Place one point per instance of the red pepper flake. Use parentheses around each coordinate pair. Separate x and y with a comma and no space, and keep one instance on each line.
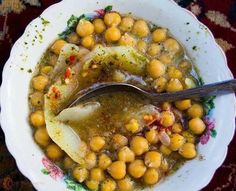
(54,89)
(57,93)
(67,73)
(72,59)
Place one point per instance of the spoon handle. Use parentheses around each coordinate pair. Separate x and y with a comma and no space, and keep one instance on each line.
(213,89)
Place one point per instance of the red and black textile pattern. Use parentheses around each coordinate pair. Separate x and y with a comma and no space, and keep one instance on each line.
(218,15)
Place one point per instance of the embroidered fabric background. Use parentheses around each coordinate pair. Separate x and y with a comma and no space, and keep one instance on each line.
(218,15)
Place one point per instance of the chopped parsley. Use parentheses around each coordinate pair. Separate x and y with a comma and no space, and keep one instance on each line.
(73,21)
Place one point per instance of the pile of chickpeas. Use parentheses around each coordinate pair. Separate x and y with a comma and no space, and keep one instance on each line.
(144,158)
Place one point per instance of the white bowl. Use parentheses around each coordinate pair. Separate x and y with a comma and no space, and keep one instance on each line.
(26,52)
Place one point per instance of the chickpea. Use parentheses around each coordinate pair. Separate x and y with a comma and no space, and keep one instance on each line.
(39,82)
(189,137)
(172,45)
(152,136)
(177,128)
(176,141)
(197,126)
(156,69)
(139,145)
(57,46)
(37,118)
(112,19)
(159,35)
(174,85)
(125,184)
(137,168)
(97,174)
(196,110)
(119,141)
(46,70)
(126,24)
(97,143)
(151,176)
(73,38)
(112,34)
(166,106)
(126,155)
(167,118)
(99,26)
(141,28)
(68,163)
(90,160)
(118,76)
(92,184)
(165,58)
(164,165)
(165,150)
(154,49)
(36,99)
(183,104)
(84,28)
(104,161)
(41,137)
(142,46)
(174,73)
(132,126)
(127,40)
(160,84)
(117,170)
(88,42)
(188,151)
(152,159)
(80,174)
(108,185)
(54,152)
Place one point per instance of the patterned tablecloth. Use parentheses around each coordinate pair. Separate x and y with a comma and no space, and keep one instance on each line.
(218,15)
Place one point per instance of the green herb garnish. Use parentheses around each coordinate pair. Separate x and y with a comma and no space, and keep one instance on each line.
(194,47)
(44,21)
(73,21)
(71,24)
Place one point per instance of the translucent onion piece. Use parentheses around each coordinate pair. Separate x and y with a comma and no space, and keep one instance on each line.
(63,135)
(66,51)
(78,112)
(126,58)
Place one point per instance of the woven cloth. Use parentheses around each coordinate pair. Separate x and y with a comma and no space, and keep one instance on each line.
(218,15)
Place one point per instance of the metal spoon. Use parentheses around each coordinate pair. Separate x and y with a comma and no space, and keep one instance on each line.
(219,88)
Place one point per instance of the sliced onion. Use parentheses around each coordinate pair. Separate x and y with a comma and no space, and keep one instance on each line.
(63,135)
(78,112)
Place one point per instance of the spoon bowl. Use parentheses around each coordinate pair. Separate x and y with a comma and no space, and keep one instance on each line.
(214,89)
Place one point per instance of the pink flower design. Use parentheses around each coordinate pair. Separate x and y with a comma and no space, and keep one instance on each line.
(210,125)
(205,137)
(100,12)
(54,171)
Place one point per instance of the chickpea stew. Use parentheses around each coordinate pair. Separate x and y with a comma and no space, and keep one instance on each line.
(116,141)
